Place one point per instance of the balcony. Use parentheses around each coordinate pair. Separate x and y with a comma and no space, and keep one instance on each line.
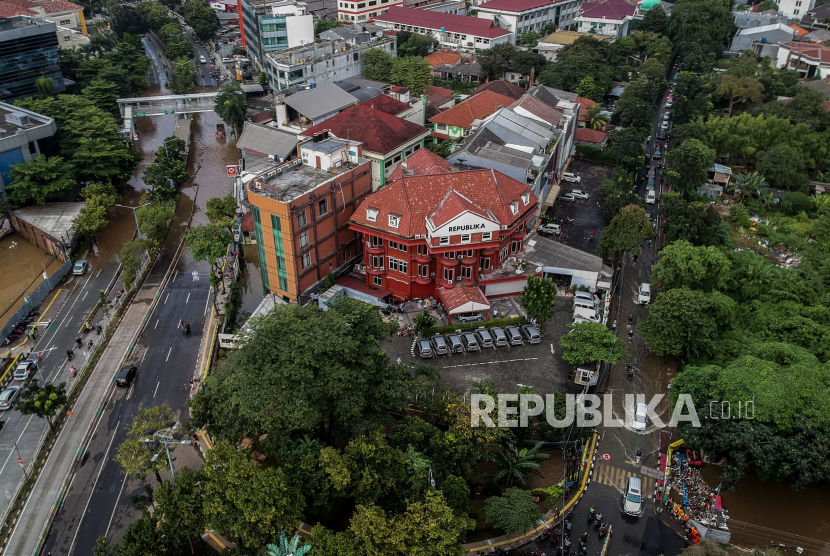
(449,263)
(374,249)
(469,260)
(489,251)
(375,270)
(421,258)
(423,279)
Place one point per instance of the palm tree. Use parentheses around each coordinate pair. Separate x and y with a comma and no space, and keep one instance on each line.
(822,202)
(287,547)
(519,465)
(597,119)
(750,184)
(45,86)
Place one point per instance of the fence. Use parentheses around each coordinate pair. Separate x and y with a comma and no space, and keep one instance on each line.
(33,299)
(747,534)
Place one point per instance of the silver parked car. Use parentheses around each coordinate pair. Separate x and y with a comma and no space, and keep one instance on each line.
(424,349)
(8,397)
(579,194)
(499,337)
(440,345)
(514,337)
(484,338)
(531,334)
(470,341)
(454,343)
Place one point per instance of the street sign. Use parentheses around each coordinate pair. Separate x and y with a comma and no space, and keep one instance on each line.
(228,340)
(169,111)
(606,457)
(232,171)
(141,113)
(20,461)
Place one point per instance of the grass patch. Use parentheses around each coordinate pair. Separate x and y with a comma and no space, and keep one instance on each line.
(516,321)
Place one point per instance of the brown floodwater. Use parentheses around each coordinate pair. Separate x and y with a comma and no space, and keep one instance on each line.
(22,272)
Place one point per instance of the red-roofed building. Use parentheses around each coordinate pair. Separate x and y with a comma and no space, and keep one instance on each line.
(422,234)
(350,11)
(808,59)
(502,87)
(387,104)
(522,16)
(444,58)
(609,18)
(423,163)
(386,138)
(591,137)
(455,122)
(68,16)
(584,105)
(440,98)
(449,30)
(534,108)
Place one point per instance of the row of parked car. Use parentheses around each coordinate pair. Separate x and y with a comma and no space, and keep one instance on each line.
(478,339)
(586,308)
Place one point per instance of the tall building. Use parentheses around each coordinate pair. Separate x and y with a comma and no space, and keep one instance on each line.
(301,215)
(24,135)
(522,16)
(68,16)
(352,11)
(269,25)
(28,51)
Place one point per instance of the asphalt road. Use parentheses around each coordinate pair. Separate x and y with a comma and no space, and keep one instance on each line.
(98,501)
(71,303)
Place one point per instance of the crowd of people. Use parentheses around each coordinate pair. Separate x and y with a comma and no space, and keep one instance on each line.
(696,499)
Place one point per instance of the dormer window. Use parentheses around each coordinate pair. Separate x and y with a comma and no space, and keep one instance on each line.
(526,198)
(394,220)
(372,214)
(514,207)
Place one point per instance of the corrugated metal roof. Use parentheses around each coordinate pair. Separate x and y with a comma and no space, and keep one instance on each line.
(266,140)
(318,102)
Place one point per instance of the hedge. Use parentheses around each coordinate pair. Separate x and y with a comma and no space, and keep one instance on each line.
(486,324)
(607,156)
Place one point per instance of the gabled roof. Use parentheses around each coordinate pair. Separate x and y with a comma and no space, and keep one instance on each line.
(591,136)
(535,133)
(615,10)
(815,51)
(515,6)
(551,96)
(799,31)
(443,58)
(454,204)
(379,132)
(266,141)
(474,108)
(502,87)
(387,104)
(532,107)
(416,198)
(450,22)
(10,9)
(463,299)
(423,163)
(318,102)
(57,6)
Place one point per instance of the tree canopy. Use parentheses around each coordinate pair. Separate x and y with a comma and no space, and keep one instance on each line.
(589,342)
(626,232)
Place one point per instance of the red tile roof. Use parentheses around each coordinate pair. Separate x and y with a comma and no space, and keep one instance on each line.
(591,135)
(608,9)
(248,222)
(423,163)
(502,87)
(459,296)
(399,89)
(450,22)
(811,50)
(539,109)
(360,286)
(433,90)
(379,132)
(387,104)
(442,58)
(799,31)
(474,108)
(416,198)
(515,6)
(10,9)
(59,6)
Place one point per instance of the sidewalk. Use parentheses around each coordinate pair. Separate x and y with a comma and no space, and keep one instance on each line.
(54,480)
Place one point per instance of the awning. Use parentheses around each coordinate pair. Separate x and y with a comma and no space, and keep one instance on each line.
(463,299)
(552,195)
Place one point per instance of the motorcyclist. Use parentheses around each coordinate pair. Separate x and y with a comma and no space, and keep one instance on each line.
(73,371)
(584,538)
(69,354)
(639,453)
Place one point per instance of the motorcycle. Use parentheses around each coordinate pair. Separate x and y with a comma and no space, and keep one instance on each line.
(591,514)
(98,329)
(545,535)
(630,320)
(69,355)
(638,456)
(631,371)
(603,530)
(73,371)
(599,520)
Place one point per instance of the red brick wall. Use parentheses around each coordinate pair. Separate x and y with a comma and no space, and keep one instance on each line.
(36,236)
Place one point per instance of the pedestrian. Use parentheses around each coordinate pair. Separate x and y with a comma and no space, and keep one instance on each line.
(649,243)
(34,332)
(27,333)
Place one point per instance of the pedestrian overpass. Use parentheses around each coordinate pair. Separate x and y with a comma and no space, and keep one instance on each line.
(132,108)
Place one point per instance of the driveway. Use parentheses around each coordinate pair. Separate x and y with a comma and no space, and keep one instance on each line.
(587,214)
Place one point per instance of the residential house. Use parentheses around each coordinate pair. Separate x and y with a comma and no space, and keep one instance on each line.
(363,10)
(762,40)
(318,63)
(808,59)
(591,138)
(386,139)
(465,225)
(610,18)
(448,30)
(455,123)
(748,19)
(24,135)
(263,146)
(440,97)
(522,16)
(301,212)
(306,109)
(28,51)
(423,162)
(502,87)
(795,9)
(816,18)
(550,45)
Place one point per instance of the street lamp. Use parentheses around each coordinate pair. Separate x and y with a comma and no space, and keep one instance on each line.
(165,437)
(37,362)
(134,209)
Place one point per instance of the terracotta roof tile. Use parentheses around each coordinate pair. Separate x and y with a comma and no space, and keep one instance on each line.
(502,87)
(615,10)
(423,163)
(515,6)
(811,50)
(59,6)
(460,296)
(416,198)
(433,90)
(441,58)
(9,9)
(387,104)
(452,23)
(474,108)
(591,135)
(378,131)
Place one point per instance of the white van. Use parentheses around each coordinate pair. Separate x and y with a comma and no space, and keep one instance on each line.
(585,295)
(651,198)
(588,314)
(633,501)
(585,304)
(572,178)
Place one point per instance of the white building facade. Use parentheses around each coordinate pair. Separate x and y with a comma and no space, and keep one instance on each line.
(522,16)
(449,30)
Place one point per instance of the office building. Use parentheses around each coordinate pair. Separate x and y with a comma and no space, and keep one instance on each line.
(28,51)
(24,135)
(268,26)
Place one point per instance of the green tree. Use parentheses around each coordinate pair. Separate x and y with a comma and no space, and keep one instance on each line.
(682,265)
(696,223)
(222,210)
(626,232)
(523,61)
(131,258)
(99,199)
(208,242)
(136,457)
(538,298)
(457,494)
(795,202)
(740,90)
(414,45)
(750,185)
(45,86)
(413,72)
(202,18)
(251,501)
(442,148)
(179,509)
(636,107)
(231,105)
(653,69)
(588,88)
(424,320)
(589,342)
(41,179)
(43,401)
(700,28)
(496,60)
(528,38)
(767,5)
(689,162)
(286,546)
(513,512)
(783,166)
(324,25)
(585,57)
(103,95)
(628,144)
(655,21)
(597,118)
(377,64)
(691,99)
(154,219)
(686,322)
(518,465)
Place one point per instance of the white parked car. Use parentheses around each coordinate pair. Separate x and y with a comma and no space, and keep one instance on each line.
(664,125)
(644,295)
(549,229)
(666,115)
(669,103)
(651,198)
(569,197)
(572,178)
(579,194)
(640,417)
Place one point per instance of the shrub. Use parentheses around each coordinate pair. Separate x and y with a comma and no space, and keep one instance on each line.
(607,156)
(739,214)
(517,321)
(795,202)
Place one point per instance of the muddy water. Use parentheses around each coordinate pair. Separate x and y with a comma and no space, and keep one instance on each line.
(21,265)
(764,503)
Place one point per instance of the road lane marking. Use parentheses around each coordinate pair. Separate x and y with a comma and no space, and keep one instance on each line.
(157,389)
(84,297)
(16,441)
(92,491)
(157,323)
(175,275)
(188,298)
(130,391)
(116,505)
(145,354)
(168,353)
(166,298)
(207,301)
